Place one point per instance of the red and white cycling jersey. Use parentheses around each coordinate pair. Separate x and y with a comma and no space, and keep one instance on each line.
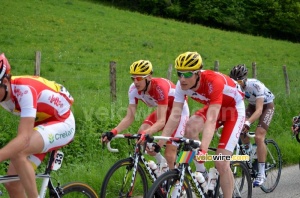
(33,96)
(161,92)
(213,90)
(217,88)
(49,103)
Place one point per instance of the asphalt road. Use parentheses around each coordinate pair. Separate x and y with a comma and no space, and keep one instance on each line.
(288,187)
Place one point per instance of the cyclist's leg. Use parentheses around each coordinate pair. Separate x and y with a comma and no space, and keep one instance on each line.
(14,189)
(260,134)
(21,165)
(193,127)
(171,147)
(233,120)
(226,176)
(44,138)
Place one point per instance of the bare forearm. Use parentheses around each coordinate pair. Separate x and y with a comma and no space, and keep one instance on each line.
(208,133)
(157,126)
(171,125)
(255,116)
(124,124)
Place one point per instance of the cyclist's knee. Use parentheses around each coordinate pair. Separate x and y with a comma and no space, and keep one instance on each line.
(193,126)
(260,134)
(223,167)
(191,131)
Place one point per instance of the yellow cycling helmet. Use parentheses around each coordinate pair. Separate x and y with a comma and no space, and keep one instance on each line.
(141,67)
(188,61)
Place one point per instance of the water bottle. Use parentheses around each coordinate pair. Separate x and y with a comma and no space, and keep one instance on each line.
(163,167)
(253,153)
(153,167)
(212,178)
(199,177)
(175,192)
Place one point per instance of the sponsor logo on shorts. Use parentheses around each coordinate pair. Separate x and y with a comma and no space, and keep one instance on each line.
(51,138)
(64,134)
(58,136)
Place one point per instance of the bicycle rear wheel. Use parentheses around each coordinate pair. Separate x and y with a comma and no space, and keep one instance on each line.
(119,178)
(273,166)
(77,190)
(242,181)
(166,185)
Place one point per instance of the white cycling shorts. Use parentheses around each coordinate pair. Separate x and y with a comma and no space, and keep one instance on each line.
(55,134)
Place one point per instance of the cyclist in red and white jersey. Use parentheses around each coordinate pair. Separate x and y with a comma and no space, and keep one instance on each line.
(46,123)
(261,108)
(223,102)
(154,92)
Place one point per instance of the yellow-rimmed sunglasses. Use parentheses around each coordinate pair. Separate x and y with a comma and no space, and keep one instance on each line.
(138,78)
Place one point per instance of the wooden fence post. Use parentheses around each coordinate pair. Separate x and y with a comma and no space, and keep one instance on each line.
(37,69)
(169,74)
(286,78)
(113,79)
(216,66)
(254,70)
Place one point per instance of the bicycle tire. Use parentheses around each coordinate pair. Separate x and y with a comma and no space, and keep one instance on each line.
(242,181)
(164,186)
(78,190)
(273,170)
(118,179)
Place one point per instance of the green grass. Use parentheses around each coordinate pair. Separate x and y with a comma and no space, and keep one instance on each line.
(78,39)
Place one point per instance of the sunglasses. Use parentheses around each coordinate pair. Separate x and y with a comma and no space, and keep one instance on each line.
(138,78)
(188,74)
(240,81)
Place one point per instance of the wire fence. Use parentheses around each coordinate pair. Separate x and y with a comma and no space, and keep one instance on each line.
(90,83)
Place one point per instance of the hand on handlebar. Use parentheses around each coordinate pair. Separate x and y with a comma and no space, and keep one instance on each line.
(144,137)
(153,148)
(107,136)
(246,127)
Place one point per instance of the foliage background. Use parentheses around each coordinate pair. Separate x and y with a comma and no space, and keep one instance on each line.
(78,39)
(278,19)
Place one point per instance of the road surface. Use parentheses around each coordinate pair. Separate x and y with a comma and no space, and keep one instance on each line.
(288,187)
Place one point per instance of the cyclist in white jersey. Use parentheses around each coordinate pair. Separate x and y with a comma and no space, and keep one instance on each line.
(261,108)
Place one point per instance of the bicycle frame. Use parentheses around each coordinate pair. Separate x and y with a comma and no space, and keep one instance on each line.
(138,158)
(54,163)
(186,171)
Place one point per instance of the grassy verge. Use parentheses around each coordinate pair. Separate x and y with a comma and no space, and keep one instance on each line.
(78,39)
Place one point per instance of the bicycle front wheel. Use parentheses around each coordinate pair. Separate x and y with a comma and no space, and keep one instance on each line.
(167,184)
(242,181)
(273,166)
(78,190)
(123,180)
